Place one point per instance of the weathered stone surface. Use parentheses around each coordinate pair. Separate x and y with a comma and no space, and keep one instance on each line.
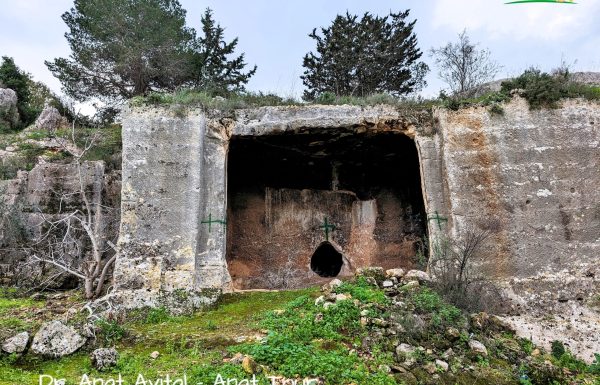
(49,119)
(9,115)
(167,184)
(16,344)
(529,175)
(478,348)
(54,339)
(533,176)
(396,273)
(49,190)
(333,284)
(250,366)
(417,275)
(104,358)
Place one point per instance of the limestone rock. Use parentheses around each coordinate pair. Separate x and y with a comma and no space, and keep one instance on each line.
(320,301)
(250,366)
(430,368)
(417,275)
(8,107)
(104,358)
(342,297)
(387,283)
(16,344)
(49,119)
(404,349)
(371,272)
(442,365)
(154,355)
(452,333)
(396,273)
(54,339)
(480,320)
(333,284)
(237,359)
(478,347)
(410,285)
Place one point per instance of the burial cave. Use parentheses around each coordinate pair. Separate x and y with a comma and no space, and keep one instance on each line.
(307,206)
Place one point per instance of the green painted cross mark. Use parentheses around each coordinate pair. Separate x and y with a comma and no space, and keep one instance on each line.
(327,227)
(210,221)
(438,219)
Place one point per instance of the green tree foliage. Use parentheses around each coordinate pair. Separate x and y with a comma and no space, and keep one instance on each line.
(360,57)
(19,81)
(213,71)
(122,49)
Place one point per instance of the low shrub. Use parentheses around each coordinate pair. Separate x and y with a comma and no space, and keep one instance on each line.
(542,89)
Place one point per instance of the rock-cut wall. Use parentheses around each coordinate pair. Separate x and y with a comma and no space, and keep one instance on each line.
(531,175)
(536,176)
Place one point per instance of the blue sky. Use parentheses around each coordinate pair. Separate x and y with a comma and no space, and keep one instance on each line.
(273,34)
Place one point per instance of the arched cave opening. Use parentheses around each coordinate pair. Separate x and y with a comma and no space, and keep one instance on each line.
(281,188)
(326,261)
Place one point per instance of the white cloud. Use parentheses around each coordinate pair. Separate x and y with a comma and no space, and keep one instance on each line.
(545,22)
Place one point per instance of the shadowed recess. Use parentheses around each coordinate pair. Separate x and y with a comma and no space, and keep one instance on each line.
(326,260)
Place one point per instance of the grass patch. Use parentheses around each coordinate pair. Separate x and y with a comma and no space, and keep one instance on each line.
(363,291)
(208,101)
(302,340)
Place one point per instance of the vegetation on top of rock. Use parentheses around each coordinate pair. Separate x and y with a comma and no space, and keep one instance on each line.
(32,96)
(24,149)
(190,97)
(545,90)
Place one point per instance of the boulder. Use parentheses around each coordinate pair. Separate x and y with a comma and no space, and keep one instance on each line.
(104,358)
(16,344)
(417,275)
(396,273)
(49,119)
(54,339)
(9,115)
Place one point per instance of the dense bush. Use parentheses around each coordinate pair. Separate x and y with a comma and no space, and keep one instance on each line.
(545,90)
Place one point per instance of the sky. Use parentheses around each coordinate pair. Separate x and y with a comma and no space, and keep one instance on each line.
(273,34)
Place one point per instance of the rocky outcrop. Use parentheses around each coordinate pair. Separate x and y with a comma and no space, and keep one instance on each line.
(49,119)
(9,116)
(49,190)
(54,339)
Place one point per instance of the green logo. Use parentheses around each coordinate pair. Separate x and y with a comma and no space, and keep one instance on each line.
(542,1)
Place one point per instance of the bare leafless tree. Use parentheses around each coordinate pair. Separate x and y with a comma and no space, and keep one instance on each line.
(82,231)
(452,264)
(463,66)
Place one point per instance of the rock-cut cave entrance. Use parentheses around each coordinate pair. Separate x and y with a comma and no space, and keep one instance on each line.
(326,261)
(319,203)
